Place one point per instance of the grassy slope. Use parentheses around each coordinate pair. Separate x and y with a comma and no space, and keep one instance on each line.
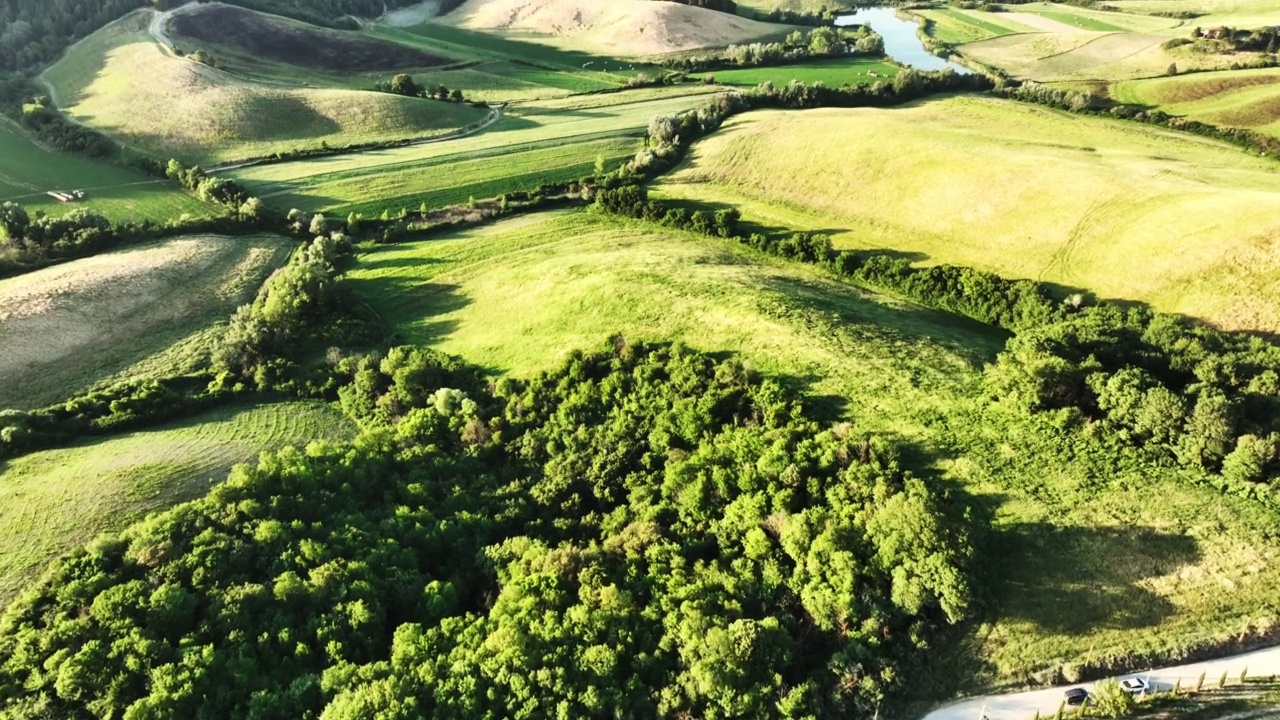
(28,171)
(955,25)
(122,83)
(1085,569)
(549,140)
(1238,98)
(1115,208)
(56,500)
(1233,13)
(843,71)
(628,28)
(69,327)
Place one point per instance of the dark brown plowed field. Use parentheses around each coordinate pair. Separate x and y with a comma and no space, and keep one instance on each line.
(269,38)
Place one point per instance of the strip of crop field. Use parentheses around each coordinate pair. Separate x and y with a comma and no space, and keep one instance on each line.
(54,501)
(955,26)
(1085,570)
(28,172)
(549,141)
(69,327)
(1160,217)
(834,73)
(1240,98)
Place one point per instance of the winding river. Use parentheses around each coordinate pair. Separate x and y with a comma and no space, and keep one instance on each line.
(900,39)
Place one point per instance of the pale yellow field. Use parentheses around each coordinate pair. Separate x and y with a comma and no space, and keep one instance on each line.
(121,82)
(614,28)
(1123,210)
(1233,13)
(1237,98)
(66,328)
(1079,55)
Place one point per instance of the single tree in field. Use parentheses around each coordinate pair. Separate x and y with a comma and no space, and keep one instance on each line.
(403,84)
(318,225)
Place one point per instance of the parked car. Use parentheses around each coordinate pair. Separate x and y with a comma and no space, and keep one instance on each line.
(1135,685)
(1076,696)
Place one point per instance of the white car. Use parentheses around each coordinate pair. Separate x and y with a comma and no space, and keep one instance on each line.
(1135,686)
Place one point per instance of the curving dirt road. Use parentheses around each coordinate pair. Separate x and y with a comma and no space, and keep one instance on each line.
(1024,705)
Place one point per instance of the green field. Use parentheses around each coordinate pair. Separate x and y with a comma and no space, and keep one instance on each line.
(1211,13)
(54,501)
(955,26)
(1237,98)
(842,71)
(28,172)
(1084,569)
(1173,220)
(72,326)
(546,141)
(121,82)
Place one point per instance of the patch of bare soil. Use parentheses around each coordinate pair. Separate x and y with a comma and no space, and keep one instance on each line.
(275,39)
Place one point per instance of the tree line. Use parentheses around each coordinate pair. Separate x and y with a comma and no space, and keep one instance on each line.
(799,46)
(1183,393)
(644,531)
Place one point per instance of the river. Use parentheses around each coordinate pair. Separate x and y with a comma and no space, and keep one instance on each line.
(900,39)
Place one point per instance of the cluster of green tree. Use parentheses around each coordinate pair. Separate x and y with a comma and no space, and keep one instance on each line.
(645,532)
(299,306)
(1089,104)
(27,241)
(35,32)
(223,191)
(122,407)
(1228,40)
(57,132)
(404,84)
(1206,399)
(633,201)
(783,16)
(821,42)
(669,136)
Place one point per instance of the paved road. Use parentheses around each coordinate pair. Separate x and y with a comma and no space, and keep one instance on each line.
(1023,706)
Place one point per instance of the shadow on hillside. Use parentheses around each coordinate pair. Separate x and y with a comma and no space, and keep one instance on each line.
(1072,579)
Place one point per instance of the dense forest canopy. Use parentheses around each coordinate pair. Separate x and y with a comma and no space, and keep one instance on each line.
(645,532)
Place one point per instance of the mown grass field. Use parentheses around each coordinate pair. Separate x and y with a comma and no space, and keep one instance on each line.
(1237,98)
(1173,220)
(1086,568)
(955,25)
(54,501)
(546,141)
(842,71)
(1212,13)
(69,327)
(28,171)
(121,82)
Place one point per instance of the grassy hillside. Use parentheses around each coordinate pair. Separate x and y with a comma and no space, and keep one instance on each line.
(547,141)
(121,82)
(629,28)
(1240,98)
(53,501)
(1053,42)
(28,171)
(1085,570)
(68,327)
(1172,220)
(1211,13)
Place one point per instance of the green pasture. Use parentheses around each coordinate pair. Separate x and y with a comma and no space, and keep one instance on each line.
(1235,98)
(547,141)
(1169,219)
(29,171)
(1211,13)
(955,26)
(482,46)
(54,501)
(841,71)
(1084,568)
(148,309)
(119,81)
